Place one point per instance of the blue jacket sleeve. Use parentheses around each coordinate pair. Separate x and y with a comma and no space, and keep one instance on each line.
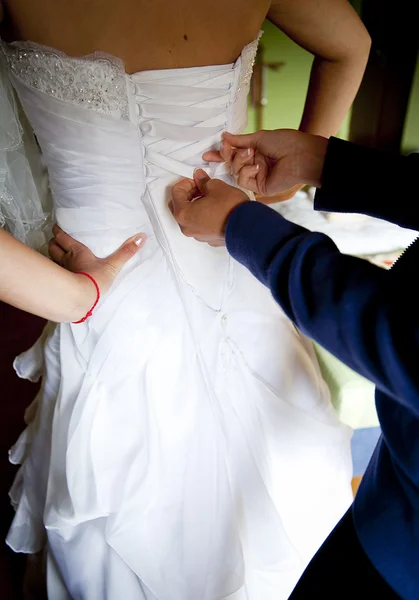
(363,180)
(354,309)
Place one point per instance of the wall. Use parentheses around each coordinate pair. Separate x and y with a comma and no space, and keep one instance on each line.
(410,140)
(285,89)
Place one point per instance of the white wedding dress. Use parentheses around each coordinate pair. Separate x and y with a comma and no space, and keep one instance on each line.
(183,445)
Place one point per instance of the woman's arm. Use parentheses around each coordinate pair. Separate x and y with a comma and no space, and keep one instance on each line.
(33,283)
(333,32)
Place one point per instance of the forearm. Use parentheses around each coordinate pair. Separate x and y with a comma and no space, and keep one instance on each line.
(334,34)
(332,88)
(33,283)
(349,306)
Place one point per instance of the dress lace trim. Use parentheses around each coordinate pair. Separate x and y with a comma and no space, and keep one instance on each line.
(97,81)
(248,57)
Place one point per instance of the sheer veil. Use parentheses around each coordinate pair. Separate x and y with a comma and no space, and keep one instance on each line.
(25,204)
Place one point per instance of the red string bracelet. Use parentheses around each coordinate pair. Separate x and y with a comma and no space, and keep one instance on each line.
(90,312)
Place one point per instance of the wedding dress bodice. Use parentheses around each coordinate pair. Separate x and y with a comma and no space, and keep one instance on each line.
(114,142)
(105,134)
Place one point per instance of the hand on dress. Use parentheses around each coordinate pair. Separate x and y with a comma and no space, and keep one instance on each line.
(76,257)
(202,206)
(273,163)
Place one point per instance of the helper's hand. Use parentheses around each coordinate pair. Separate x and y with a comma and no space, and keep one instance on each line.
(202,207)
(273,162)
(76,257)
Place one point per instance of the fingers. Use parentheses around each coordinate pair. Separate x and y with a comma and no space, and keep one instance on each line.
(129,249)
(262,174)
(237,158)
(56,252)
(247,178)
(212,156)
(226,151)
(63,240)
(212,188)
(251,169)
(282,196)
(242,158)
(225,154)
(183,192)
(249,140)
(61,245)
(201,180)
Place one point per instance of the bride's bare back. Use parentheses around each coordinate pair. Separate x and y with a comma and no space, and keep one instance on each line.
(164,34)
(146,34)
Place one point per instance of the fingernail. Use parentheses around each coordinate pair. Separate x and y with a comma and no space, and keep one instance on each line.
(245,153)
(200,174)
(139,240)
(221,146)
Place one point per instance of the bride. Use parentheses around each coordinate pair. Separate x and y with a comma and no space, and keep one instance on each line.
(182,445)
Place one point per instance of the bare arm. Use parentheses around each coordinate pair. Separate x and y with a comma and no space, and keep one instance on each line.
(33,283)
(333,32)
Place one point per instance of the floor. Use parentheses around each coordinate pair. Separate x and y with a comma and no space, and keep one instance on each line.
(356,482)
(362,444)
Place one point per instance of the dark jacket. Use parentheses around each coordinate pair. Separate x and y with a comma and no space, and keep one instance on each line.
(369,319)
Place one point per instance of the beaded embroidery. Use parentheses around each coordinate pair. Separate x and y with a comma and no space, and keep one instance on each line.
(97,81)
(248,58)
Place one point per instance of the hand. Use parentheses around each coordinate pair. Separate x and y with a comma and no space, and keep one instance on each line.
(76,257)
(202,207)
(270,162)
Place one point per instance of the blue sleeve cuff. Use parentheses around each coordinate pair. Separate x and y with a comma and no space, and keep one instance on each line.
(254,235)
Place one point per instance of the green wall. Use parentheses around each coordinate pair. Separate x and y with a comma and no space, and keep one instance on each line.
(410,139)
(285,89)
